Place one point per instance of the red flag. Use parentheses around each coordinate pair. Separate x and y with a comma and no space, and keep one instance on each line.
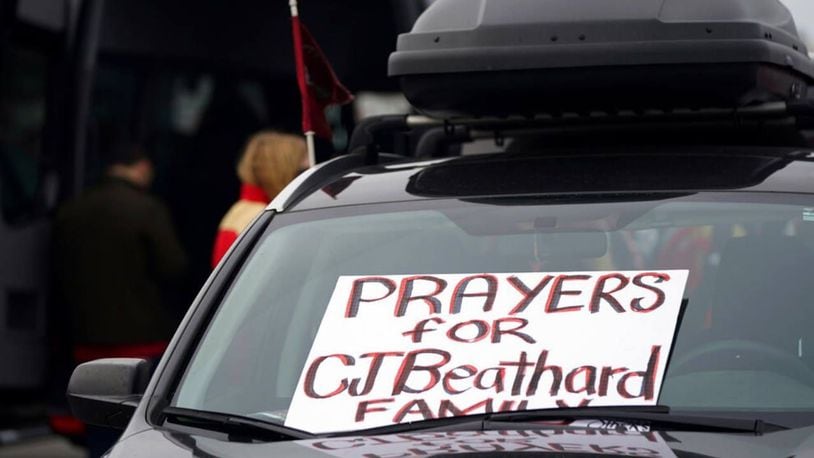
(319,86)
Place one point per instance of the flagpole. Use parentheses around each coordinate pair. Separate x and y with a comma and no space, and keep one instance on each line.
(309,136)
(312,150)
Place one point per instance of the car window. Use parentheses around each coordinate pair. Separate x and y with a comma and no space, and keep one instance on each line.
(746,323)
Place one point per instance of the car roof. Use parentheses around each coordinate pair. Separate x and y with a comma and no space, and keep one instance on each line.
(345,181)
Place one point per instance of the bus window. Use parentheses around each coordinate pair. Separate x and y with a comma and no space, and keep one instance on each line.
(23,84)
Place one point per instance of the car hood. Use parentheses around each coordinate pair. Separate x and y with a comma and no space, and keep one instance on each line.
(548,440)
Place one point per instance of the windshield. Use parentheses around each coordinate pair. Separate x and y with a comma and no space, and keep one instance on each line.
(733,268)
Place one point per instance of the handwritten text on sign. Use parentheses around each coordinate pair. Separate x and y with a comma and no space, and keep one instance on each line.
(402,348)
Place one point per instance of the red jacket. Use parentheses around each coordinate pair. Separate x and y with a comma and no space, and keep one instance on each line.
(253,201)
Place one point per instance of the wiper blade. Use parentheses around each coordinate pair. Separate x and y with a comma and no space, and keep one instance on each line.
(477,422)
(654,416)
(234,425)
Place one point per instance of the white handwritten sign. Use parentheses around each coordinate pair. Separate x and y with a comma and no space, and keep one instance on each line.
(556,441)
(402,348)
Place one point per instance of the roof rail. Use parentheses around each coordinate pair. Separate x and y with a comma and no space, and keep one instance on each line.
(371,133)
(316,177)
(368,135)
(791,117)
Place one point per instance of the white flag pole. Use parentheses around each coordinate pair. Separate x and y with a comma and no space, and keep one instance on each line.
(309,136)
(312,152)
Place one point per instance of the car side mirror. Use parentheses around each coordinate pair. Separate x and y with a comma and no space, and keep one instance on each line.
(106,392)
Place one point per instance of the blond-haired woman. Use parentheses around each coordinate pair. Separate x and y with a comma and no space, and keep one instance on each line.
(270,161)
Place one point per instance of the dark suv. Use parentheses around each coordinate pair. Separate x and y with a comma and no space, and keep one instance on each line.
(623,272)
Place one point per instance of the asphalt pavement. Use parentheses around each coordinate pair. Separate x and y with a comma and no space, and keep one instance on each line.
(49,446)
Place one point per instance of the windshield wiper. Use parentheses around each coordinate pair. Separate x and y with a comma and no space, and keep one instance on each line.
(654,416)
(235,426)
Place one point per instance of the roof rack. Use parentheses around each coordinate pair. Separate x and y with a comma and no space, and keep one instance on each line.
(366,145)
(784,119)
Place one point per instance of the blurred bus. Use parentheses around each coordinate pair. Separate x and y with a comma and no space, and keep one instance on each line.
(191,80)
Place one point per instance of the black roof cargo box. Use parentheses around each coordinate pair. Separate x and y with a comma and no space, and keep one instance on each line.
(527,57)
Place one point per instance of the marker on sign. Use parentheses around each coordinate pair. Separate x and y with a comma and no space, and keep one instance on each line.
(456,344)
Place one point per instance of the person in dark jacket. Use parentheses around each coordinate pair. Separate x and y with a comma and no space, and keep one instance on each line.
(115,250)
(115,253)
